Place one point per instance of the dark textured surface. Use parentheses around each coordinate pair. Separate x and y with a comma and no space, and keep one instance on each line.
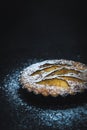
(20,110)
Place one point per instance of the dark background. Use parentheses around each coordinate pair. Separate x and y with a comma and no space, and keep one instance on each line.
(46,29)
(41,30)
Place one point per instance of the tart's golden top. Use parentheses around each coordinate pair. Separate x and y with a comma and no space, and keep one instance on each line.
(54,82)
(56,77)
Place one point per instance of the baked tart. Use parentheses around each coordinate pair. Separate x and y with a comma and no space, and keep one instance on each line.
(55,77)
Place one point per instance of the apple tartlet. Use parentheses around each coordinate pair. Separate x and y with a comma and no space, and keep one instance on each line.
(55,77)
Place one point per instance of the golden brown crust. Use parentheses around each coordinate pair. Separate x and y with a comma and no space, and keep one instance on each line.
(54,77)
